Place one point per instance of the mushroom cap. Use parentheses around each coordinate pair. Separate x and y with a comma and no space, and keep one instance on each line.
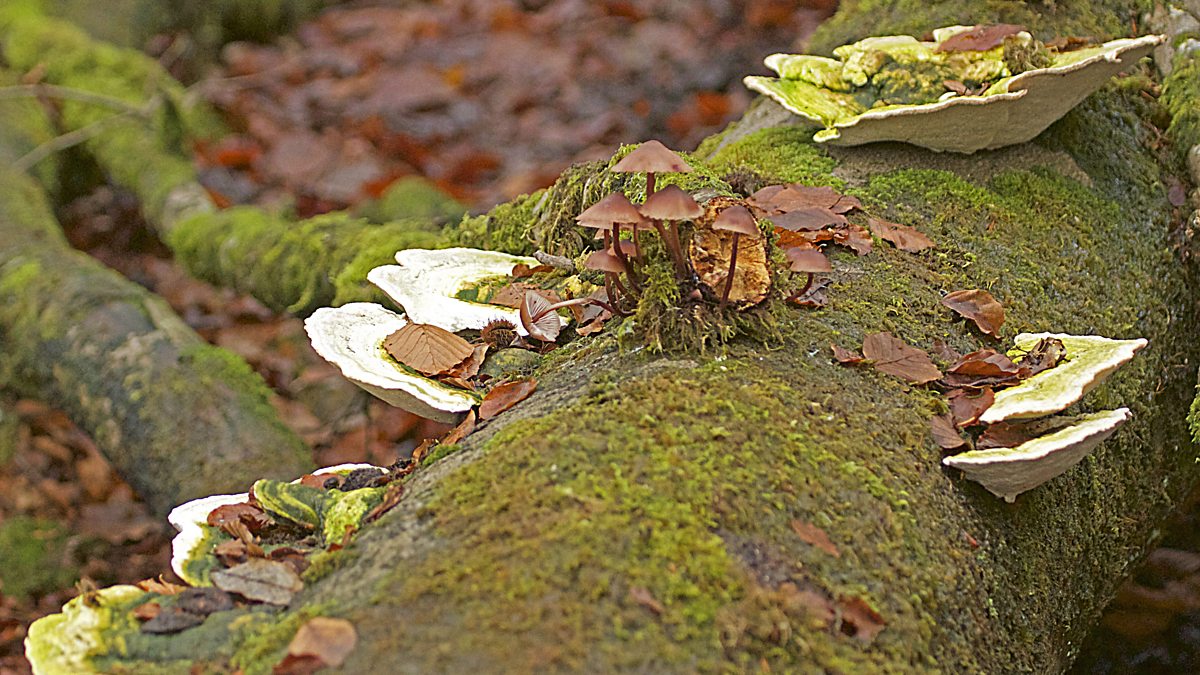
(652,157)
(737,219)
(807,260)
(671,203)
(604,261)
(615,208)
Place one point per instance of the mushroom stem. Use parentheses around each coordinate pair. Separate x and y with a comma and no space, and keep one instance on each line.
(616,249)
(637,245)
(649,183)
(807,285)
(677,249)
(732,267)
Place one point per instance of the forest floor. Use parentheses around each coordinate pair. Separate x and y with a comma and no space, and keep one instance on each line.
(487,100)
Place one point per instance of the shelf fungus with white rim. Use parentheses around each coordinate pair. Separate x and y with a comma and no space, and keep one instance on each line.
(66,643)
(191,549)
(351,337)
(430,284)
(893,89)
(1087,360)
(1007,472)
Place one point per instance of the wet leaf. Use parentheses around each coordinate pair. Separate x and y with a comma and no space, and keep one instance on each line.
(983,368)
(980,38)
(458,433)
(538,319)
(427,349)
(978,306)
(815,536)
(944,433)
(904,237)
(859,619)
(641,595)
(504,396)
(171,620)
(892,356)
(846,356)
(260,580)
(328,640)
(966,407)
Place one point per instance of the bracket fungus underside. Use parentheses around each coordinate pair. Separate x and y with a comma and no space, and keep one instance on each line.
(893,89)
(1007,472)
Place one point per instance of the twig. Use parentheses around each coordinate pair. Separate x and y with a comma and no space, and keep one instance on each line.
(67,93)
(66,141)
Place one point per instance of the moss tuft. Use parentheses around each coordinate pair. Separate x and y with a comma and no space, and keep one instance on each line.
(34,557)
(777,155)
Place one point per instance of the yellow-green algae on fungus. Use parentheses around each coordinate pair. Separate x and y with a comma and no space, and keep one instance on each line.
(891,89)
(1007,472)
(67,642)
(351,338)
(1088,359)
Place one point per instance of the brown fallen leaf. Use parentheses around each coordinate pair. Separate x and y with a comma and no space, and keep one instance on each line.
(846,356)
(171,620)
(807,219)
(521,270)
(904,237)
(944,351)
(814,298)
(1007,435)
(980,307)
(815,536)
(391,497)
(427,349)
(328,640)
(460,375)
(807,602)
(226,516)
(980,38)
(966,407)
(944,433)
(458,433)
(204,600)
(260,580)
(892,356)
(232,552)
(854,237)
(641,595)
(983,368)
(504,396)
(160,586)
(1044,355)
(146,611)
(859,619)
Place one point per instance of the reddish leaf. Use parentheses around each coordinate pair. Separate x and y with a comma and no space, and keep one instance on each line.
(904,237)
(807,219)
(521,270)
(789,239)
(978,306)
(815,536)
(160,586)
(458,433)
(329,640)
(252,517)
(146,611)
(854,237)
(504,396)
(980,38)
(983,368)
(966,407)
(427,349)
(944,351)
(859,619)
(846,356)
(641,595)
(232,552)
(944,433)
(1006,435)
(391,497)
(894,357)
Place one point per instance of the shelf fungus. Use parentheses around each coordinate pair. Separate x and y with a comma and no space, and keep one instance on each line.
(328,513)
(1087,360)
(952,94)
(71,640)
(352,338)
(449,288)
(1064,441)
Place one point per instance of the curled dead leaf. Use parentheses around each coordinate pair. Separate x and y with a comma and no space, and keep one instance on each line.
(892,356)
(944,433)
(815,536)
(904,237)
(980,307)
(504,396)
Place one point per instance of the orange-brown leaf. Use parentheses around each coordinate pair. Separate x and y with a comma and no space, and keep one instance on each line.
(461,431)
(980,38)
(504,396)
(904,237)
(944,433)
(327,639)
(966,407)
(859,619)
(979,306)
(846,356)
(427,349)
(815,536)
(892,356)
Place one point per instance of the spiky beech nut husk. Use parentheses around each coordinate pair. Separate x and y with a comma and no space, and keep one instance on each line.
(499,333)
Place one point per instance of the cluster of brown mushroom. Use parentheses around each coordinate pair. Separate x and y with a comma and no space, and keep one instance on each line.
(662,211)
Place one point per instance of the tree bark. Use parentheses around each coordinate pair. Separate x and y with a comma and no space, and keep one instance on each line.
(641,512)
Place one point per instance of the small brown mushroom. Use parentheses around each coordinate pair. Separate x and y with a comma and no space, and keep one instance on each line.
(611,265)
(671,204)
(612,211)
(652,157)
(738,220)
(808,260)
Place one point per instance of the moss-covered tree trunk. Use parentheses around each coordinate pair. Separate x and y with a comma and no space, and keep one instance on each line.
(640,512)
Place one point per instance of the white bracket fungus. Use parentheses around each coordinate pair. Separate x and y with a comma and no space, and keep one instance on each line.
(1007,472)
(351,338)
(427,283)
(65,643)
(1088,359)
(841,94)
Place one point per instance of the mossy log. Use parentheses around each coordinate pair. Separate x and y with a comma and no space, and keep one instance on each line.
(637,513)
(178,418)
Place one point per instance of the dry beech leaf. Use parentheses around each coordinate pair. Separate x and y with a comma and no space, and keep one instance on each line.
(146,611)
(512,294)
(226,516)
(808,218)
(979,38)
(1009,434)
(1044,355)
(979,306)
(641,595)
(904,237)
(504,396)
(983,368)
(329,640)
(855,238)
(894,357)
(160,586)
(427,349)
(260,580)
(814,298)
(944,433)
(966,407)
(859,619)
(391,497)
(232,552)
(846,356)
(458,433)
(815,536)
(521,270)
(944,351)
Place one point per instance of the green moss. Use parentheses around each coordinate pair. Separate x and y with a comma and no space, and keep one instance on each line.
(777,155)
(1181,97)
(415,199)
(34,557)
(257,651)
(440,452)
